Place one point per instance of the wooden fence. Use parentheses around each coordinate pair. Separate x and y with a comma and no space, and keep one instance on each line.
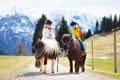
(114,49)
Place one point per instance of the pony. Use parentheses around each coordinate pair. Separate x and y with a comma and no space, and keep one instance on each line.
(73,51)
(46,49)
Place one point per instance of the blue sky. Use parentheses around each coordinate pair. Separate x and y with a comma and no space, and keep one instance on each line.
(95,7)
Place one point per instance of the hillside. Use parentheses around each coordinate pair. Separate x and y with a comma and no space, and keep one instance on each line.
(103,45)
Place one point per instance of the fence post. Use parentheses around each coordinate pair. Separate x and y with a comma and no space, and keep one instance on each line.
(92,55)
(115,64)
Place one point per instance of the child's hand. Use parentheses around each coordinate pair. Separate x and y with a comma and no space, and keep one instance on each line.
(76,37)
(49,37)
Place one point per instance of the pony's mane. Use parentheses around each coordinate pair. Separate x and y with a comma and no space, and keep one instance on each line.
(51,46)
(67,36)
(75,40)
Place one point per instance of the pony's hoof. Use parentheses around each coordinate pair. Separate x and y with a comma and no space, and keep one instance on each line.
(83,70)
(40,70)
(76,72)
(53,72)
(44,72)
(71,71)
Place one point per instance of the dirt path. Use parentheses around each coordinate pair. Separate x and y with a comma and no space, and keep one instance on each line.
(32,73)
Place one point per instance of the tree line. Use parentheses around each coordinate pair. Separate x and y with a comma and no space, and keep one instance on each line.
(108,24)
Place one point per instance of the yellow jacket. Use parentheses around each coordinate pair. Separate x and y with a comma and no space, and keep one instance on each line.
(76,32)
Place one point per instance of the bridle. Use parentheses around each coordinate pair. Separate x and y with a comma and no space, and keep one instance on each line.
(70,42)
(39,55)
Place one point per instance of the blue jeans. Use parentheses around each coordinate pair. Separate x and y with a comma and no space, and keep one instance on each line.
(82,45)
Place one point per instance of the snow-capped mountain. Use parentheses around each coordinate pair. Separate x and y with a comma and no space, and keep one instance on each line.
(85,20)
(18,27)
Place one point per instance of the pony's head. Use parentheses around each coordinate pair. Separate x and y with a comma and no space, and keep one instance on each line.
(69,43)
(39,45)
(66,40)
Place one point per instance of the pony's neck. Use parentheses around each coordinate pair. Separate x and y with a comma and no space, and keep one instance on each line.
(74,42)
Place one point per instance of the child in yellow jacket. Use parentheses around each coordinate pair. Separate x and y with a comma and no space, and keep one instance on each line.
(77,33)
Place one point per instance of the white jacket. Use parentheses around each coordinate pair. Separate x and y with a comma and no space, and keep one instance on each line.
(47,33)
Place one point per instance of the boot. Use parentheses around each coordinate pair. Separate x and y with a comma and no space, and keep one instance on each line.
(84,53)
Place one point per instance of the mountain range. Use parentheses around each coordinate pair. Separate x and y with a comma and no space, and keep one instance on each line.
(19,27)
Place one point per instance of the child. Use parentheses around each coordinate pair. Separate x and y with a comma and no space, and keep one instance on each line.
(48,32)
(77,33)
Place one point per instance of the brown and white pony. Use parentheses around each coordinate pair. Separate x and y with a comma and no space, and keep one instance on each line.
(73,51)
(46,49)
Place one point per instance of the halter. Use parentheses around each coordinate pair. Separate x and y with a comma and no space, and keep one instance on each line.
(39,55)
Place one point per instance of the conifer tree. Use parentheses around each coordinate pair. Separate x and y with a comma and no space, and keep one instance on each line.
(103,24)
(115,22)
(111,23)
(62,30)
(38,29)
(119,22)
(97,28)
(89,33)
(106,24)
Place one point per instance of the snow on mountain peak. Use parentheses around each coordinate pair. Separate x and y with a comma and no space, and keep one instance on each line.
(86,21)
(16,27)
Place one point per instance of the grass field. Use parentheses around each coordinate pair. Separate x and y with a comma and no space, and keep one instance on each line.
(101,66)
(11,65)
(104,67)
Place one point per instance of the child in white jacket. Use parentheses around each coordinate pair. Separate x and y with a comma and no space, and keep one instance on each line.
(48,32)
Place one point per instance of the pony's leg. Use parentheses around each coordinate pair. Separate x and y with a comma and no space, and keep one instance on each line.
(76,66)
(71,66)
(83,64)
(41,65)
(45,65)
(40,69)
(52,65)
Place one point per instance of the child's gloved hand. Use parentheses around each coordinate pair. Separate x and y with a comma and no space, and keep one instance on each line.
(76,37)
